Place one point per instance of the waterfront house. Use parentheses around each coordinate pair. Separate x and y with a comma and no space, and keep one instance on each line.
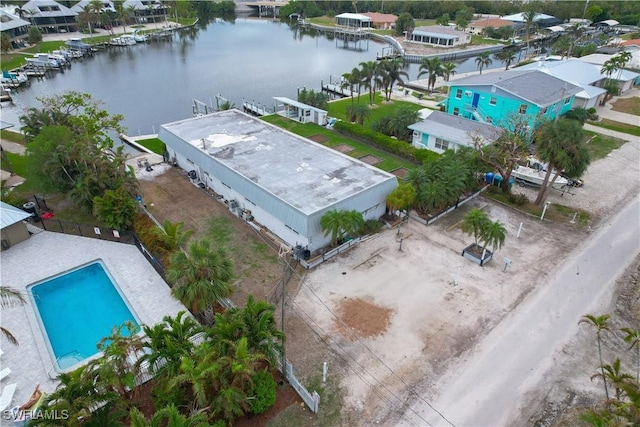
(50,16)
(147,11)
(478,27)
(441,131)
(541,20)
(354,20)
(279,182)
(499,97)
(81,6)
(438,35)
(16,28)
(382,21)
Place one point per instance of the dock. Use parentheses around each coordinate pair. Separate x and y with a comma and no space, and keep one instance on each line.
(336,87)
(5,95)
(255,109)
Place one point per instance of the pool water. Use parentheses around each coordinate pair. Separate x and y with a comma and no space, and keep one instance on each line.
(77,309)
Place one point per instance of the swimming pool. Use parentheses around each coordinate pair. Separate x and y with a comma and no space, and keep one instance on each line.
(77,309)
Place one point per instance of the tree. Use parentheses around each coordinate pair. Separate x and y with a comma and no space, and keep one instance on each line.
(443,19)
(116,208)
(35,36)
(404,23)
(506,56)
(338,224)
(367,74)
(561,145)
(483,60)
(357,113)
(8,298)
(171,415)
(5,42)
(352,80)
(529,24)
(172,235)
(390,72)
(615,376)
(633,338)
(601,323)
(402,198)
(201,276)
(449,69)
(493,235)
(474,223)
(433,67)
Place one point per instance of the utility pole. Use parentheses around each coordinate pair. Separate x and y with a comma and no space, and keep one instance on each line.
(283,253)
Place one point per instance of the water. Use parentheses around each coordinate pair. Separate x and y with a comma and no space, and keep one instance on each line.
(77,310)
(250,59)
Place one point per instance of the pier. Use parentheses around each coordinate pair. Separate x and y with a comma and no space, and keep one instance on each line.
(255,109)
(336,87)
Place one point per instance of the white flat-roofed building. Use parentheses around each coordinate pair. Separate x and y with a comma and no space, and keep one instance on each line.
(439,35)
(284,182)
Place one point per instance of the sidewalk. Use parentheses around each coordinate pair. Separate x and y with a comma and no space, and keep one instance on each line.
(606,111)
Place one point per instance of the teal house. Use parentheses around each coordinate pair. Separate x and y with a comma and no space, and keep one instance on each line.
(501,98)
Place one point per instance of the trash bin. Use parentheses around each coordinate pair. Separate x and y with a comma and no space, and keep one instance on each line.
(30,207)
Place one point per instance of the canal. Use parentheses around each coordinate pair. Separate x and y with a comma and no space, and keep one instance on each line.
(249,59)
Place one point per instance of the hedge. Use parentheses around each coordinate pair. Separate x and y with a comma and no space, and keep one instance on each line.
(384,142)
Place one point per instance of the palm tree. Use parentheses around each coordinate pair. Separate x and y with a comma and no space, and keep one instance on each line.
(633,338)
(8,298)
(506,57)
(433,67)
(449,69)
(494,235)
(172,235)
(483,60)
(201,276)
(529,24)
(615,376)
(352,80)
(358,113)
(402,198)
(391,71)
(171,415)
(340,223)
(475,222)
(367,74)
(601,323)
(561,145)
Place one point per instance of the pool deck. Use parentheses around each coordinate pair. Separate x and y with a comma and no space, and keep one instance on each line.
(47,254)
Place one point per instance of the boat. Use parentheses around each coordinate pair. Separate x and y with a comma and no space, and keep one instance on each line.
(533,174)
(79,45)
(138,37)
(123,40)
(43,60)
(10,79)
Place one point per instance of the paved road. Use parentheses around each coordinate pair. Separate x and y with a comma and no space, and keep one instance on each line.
(487,388)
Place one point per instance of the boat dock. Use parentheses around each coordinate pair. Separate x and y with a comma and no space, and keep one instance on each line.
(5,94)
(336,87)
(255,109)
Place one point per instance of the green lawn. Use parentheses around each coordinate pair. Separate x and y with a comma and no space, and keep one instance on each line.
(380,109)
(617,126)
(627,105)
(153,144)
(601,145)
(12,136)
(360,149)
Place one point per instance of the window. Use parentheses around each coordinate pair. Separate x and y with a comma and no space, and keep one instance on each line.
(459,94)
(544,110)
(441,144)
(456,111)
(566,101)
(523,109)
(493,100)
(467,93)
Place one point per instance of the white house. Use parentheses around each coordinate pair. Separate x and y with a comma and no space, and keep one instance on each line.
(439,35)
(271,177)
(300,112)
(441,131)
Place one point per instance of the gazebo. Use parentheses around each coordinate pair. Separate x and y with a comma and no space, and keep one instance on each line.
(12,226)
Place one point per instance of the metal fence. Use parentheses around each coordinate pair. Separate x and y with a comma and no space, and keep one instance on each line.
(330,254)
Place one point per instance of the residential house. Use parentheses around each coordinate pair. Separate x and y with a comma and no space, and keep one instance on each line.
(586,75)
(541,20)
(354,20)
(146,11)
(478,27)
(438,35)
(600,58)
(441,131)
(16,28)
(280,182)
(82,5)
(382,21)
(50,16)
(300,112)
(500,97)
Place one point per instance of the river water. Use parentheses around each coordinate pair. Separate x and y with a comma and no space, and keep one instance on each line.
(249,59)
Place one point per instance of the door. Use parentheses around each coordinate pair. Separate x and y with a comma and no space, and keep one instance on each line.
(476,98)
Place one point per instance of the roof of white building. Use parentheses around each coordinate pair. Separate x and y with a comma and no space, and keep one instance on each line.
(354,16)
(534,86)
(439,31)
(10,215)
(301,173)
(520,17)
(46,9)
(455,128)
(300,105)
(577,70)
(82,4)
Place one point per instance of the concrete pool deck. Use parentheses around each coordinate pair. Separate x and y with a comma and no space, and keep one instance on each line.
(47,254)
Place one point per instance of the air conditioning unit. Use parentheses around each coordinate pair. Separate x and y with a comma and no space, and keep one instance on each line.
(233,204)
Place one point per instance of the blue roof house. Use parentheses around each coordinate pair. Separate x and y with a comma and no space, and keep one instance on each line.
(499,98)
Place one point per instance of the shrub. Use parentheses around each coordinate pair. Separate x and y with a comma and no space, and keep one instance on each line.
(579,114)
(143,226)
(370,226)
(263,395)
(518,199)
